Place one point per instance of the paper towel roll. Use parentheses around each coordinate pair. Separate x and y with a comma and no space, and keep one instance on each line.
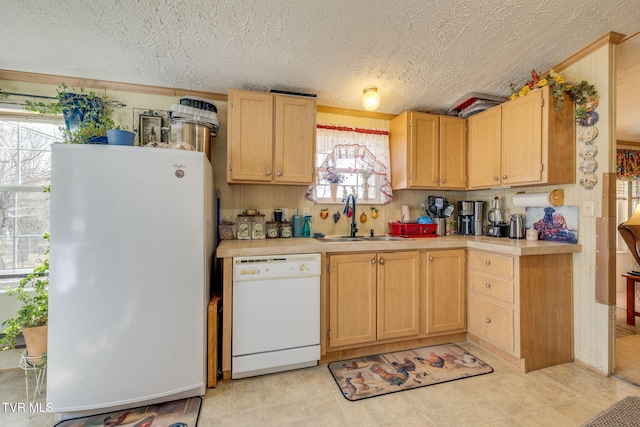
(406,216)
(553,198)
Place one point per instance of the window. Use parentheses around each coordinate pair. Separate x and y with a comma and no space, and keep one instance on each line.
(351,161)
(627,197)
(25,170)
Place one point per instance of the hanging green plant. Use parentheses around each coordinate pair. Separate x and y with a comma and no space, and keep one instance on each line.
(87,116)
(583,94)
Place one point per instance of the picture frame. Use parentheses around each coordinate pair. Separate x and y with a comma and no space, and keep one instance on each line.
(152,126)
(554,223)
(150,129)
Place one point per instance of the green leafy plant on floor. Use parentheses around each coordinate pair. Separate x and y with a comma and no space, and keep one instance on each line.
(34,309)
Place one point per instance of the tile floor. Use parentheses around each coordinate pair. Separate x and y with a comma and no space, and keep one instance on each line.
(565,395)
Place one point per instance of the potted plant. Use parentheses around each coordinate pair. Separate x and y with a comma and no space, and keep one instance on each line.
(33,315)
(87,116)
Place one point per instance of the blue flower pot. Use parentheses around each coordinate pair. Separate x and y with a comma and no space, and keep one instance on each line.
(120,137)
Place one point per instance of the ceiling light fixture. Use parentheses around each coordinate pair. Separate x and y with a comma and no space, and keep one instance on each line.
(371,98)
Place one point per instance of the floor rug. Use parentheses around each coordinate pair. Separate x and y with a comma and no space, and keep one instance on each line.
(178,413)
(371,376)
(625,413)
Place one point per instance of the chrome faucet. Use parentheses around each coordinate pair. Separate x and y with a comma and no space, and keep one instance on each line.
(354,230)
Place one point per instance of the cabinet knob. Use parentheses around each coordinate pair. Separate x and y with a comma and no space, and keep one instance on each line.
(435,180)
(487,320)
(268,173)
(381,260)
(487,262)
(373,261)
(442,181)
(504,176)
(495,178)
(430,258)
(487,285)
(279,173)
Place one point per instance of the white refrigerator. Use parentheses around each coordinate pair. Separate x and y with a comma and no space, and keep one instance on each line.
(131,247)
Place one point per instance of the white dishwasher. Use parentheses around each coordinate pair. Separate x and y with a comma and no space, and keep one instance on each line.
(276,314)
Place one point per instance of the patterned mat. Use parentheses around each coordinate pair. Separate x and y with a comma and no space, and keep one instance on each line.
(625,413)
(178,413)
(372,376)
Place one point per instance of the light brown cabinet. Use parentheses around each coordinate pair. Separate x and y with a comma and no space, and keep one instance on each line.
(373,297)
(521,307)
(523,142)
(445,291)
(428,151)
(271,138)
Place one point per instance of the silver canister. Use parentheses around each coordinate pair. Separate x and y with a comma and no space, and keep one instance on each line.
(195,133)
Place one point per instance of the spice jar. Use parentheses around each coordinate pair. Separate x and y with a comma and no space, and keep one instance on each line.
(257,227)
(285,229)
(243,226)
(272,230)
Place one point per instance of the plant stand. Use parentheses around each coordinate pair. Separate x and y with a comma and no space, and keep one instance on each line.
(31,369)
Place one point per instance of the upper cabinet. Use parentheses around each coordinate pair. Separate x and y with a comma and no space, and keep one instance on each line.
(523,142)
(271,138)
(428,151)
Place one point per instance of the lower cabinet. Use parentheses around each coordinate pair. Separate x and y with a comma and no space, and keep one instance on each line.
(373,296)
(521,307)
(445,296)
(380,297)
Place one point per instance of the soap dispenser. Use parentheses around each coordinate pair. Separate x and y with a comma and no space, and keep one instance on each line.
(306,229)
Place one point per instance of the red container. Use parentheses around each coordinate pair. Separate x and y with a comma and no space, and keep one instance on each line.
(412,229)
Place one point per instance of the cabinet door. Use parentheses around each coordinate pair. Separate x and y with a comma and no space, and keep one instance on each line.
(295,139)
(352,299)
(424,151)
(485,134)
(453,153)
(522,139)
(250,147)
(398,294)
(445,290)
(493,322)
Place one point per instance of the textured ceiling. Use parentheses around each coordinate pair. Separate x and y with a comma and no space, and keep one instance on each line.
(421,54)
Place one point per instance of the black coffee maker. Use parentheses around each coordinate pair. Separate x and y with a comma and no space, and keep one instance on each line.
(466,218)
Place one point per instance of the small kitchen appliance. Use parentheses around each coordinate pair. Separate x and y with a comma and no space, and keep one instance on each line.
(478,209)
(193,123)
(466,219)
(516,227)
(498,226)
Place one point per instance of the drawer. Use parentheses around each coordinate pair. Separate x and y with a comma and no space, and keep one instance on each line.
(499,265)
(491,286)
(492,322)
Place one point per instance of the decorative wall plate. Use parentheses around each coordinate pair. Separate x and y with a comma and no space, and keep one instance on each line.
(587,134)
(590,103)
(588,181)
(588,166)
(589,152)
(590,119)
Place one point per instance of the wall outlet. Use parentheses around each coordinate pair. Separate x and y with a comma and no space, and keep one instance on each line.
(588,208)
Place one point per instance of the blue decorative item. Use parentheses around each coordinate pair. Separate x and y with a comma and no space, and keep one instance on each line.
(120,137)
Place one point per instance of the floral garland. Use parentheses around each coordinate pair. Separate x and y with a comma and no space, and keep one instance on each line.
(583,94)
(586,98)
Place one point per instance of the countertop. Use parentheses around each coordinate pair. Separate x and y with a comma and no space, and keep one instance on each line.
(231,248)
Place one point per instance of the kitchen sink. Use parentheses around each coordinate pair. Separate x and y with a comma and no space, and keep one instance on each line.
(338,239)
(359,239)
(383,238)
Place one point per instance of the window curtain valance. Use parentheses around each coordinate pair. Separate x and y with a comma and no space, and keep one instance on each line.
(628,164)
(369,146)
